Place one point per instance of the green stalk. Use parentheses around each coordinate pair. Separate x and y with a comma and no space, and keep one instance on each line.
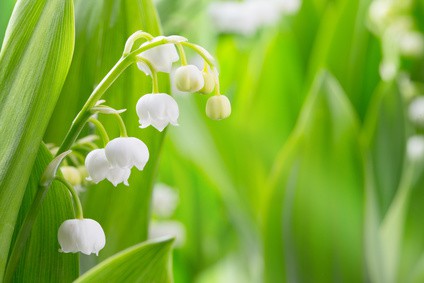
(101,129)
(77,203)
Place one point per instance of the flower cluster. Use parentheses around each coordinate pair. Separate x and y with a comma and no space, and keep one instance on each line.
(115,160)
(391,21)
(246,17)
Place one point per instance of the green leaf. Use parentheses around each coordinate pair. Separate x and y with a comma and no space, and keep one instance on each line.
(102,28)
(313,231)
(34,61)
(41,258)
(150,261)
(6,7)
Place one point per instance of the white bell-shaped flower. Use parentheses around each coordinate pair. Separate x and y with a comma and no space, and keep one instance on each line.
(99,168)
(81,235)
(126,152)
(161,57)
(415,148)
(416,111)
(164,200)
(158,110)
(189,78)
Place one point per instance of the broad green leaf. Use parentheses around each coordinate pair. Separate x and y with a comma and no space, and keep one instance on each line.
(150,261)
(34,61)
(6,7)
(313,231)
(41,260)
(385,137)
(102,28)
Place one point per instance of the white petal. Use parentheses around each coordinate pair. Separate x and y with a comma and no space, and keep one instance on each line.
(161,57)
(97,165)
(117,175)
(157,110)
(126,152)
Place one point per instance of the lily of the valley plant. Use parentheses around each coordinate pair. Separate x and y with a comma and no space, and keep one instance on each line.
(114,162)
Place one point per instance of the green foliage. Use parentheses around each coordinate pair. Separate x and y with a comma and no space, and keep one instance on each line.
(41,259)
(31,76)
(311,207)
(146,262)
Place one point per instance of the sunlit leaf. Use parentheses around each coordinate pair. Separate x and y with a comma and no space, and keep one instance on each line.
(34,61)
(147,262)
(316,213)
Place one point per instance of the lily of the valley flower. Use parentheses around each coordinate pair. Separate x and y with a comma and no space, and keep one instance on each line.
(158,110)
(161,57)
(81,235)
(415,148)
(126,152)
(189,78)
(218,107)
(99,168)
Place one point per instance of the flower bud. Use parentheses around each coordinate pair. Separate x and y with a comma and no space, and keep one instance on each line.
(209,82)
(81,235)
(218,107)
(188,78)
(72,175)
(415,148)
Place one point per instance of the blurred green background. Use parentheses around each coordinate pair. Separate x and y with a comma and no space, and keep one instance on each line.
(307,181)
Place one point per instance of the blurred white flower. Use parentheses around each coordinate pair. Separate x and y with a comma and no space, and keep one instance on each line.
(161,57)
(411,43)
(247,17)
(168,228)
(81,235)
(158,110)
(218,107)
(126,152)
(72,175)
(388,70)
(188,78)
(415,148)
(416,111)
(165,200)
(99,168)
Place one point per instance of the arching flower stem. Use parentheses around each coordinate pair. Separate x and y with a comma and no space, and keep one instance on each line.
(182,54)
(121,124)
(101,129)
(155,81)
(77,203)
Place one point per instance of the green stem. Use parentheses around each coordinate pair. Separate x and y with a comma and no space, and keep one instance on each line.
(85,113)
(203,53)
(135,36)
(77,203)
(155,81)
(182,54)
(121,124)
(101,129)
(24,233)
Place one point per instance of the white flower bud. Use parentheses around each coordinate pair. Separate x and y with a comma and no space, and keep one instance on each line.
(416,111)
(81,235)
(161,57)
(99,168)
(164,201)
(415,148)
(411,44)
(188,78)
(218,107)
(72,175)
(158,110)
(209,84)
(126,152)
